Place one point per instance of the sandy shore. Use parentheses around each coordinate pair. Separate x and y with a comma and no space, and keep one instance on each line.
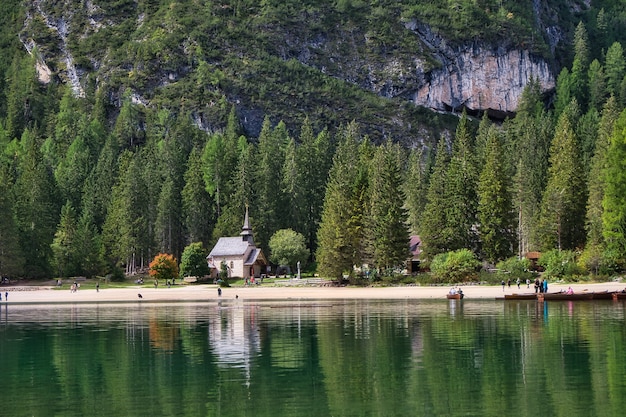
(47,295)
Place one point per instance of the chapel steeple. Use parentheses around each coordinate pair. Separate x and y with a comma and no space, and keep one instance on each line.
(246,230)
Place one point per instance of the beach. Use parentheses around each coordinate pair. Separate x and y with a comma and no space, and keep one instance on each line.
(204,292)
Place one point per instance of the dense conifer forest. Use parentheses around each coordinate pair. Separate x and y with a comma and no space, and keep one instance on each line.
(101,179)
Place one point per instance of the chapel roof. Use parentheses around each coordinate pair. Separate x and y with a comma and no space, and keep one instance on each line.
(229,246)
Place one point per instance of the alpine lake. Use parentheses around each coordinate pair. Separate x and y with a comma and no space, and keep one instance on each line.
(314,358)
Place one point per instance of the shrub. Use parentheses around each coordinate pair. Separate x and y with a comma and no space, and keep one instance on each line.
(193,261)
(457,266)
(117,274)
(514,268)
(163,267)
(559,264)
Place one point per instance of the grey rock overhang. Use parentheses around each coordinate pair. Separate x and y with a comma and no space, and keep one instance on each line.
(480,79)
(476,76)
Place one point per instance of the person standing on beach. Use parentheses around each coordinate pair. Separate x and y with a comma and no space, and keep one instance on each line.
(98,286)
(219,292)
(503,284)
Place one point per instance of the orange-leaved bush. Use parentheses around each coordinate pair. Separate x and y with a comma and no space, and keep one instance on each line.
(164,266)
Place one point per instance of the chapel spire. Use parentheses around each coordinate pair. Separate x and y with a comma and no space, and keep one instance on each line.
(246,230)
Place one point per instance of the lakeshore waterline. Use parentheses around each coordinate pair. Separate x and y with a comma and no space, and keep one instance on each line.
(235,357)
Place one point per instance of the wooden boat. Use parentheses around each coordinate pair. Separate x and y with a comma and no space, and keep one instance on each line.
(619,296)
(527,296)
(456,296)
(603,295)
(563,296)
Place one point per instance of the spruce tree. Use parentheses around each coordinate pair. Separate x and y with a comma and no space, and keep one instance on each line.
(65,247)
(270,208)
(530,134)
(579,76)
(561,223)
(596,183)
(11,257)
(242,195)
(386,223)
(614,68)
(89,247)
(197,205)
(415,188)
(36,208)
(99,183)
(614,201)
(461,199)
(597,85)
(124,234)
(433,229)
(338,234)
(496,218)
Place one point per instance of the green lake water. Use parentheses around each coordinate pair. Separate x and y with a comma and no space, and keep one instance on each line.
(314,358)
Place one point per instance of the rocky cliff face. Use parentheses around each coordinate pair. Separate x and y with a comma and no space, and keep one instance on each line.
(481,79)
(439,76)
(432,72)
(477,77)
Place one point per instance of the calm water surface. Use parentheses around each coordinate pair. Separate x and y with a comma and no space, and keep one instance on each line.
(314,358)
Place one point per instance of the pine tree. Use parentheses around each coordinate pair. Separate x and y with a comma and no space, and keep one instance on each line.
(198,208)
(127,130)
(597,85)
(496,217)
(597,174)
(531,134)
(66,128)
(564,91)
(305,192)
(461,199)
(434,222)
(614,201)
(338,234)
(240,185)
(25,107)
(124,231)
(580,65)
(415,188)
(65,248)
(36,208)
(11,258)
(89,247)
(290,187)
(562,207)
(215,170)
(587,133)
(614,68)
(168,226)
(386,223)
(270,205)
(316,175)
(99,184)
(73,170)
